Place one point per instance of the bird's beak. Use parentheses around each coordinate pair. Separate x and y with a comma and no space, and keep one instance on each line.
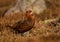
(31,13)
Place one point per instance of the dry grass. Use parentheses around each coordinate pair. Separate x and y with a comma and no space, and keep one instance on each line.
(41,32)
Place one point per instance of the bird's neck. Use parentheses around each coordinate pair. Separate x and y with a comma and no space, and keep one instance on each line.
(30,17)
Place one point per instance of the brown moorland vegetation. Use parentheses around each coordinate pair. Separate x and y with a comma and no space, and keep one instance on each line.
(43,31)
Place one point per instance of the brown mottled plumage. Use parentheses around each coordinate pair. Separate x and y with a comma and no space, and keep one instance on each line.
(26,24)
(22,25)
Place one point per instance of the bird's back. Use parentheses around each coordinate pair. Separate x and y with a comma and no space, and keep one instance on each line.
(25,25)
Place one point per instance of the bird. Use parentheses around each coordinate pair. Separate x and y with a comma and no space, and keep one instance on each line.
(27,24)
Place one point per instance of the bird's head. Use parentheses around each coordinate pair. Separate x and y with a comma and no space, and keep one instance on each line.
(29,14)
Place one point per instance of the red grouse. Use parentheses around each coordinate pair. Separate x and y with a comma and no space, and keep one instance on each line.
(26,24)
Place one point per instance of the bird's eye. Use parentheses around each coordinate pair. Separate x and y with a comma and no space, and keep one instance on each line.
(30,11)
